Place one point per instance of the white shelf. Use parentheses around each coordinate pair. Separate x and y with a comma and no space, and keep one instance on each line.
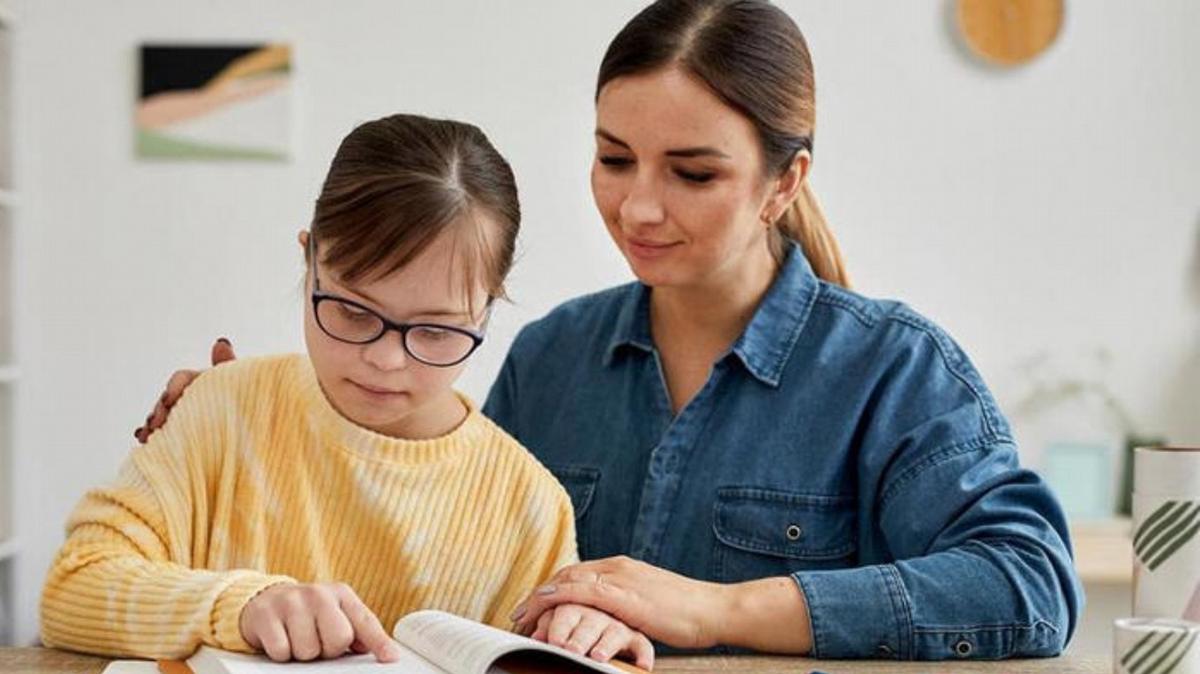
(1104,551)
(9,374)
(9,549)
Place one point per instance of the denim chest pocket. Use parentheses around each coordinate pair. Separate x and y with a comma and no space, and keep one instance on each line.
(767,532)
(580,483)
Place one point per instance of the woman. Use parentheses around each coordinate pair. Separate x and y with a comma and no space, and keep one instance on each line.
(758,457)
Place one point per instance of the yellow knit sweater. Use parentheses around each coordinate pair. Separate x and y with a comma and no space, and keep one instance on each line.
(256,479)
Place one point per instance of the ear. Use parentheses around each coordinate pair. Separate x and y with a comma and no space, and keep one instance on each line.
(302,237)
(783,189)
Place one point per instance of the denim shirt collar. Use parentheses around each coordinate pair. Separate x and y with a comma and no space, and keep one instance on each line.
(767,342)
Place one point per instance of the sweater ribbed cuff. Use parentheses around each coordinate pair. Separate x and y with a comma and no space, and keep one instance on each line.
(227,610)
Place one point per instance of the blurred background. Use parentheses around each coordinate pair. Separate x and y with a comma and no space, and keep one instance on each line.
(1046,213)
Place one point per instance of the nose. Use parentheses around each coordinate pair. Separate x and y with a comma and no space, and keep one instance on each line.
(643,204)
(387,352)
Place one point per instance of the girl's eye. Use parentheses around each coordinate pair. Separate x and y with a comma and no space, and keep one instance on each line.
(353,313)
(695,176)
(615,162)
(435,334)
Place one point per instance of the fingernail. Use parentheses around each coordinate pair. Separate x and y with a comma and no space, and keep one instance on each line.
(391,651)
(546,589)
(600,655)
(517,614)
(224,341)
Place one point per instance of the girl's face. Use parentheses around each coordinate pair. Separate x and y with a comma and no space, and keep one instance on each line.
(379,385)
(679,180)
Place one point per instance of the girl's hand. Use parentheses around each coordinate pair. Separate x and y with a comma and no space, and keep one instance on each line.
(592,633)
(222,351)
(309,621)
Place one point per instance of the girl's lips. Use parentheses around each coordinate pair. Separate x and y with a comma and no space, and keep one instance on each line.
(375,391)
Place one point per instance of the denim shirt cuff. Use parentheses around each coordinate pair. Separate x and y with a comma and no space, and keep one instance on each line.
(858,613)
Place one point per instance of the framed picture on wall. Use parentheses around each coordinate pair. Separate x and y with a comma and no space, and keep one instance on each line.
(214,102)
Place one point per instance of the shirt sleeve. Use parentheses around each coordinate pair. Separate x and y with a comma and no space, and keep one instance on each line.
(985,571)
(978,561)
(123,582)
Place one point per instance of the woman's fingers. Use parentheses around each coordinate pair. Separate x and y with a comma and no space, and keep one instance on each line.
(607,597)
(222,351)
(543,624)
(176,385)
(158,417)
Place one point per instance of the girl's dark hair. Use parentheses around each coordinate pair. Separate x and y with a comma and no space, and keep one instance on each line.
(752,55)
(399,182)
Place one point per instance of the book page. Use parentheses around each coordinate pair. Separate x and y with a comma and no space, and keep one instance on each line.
(462,646)
(214,661)
(131,667)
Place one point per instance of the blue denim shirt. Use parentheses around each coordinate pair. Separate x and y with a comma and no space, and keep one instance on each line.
(843,441)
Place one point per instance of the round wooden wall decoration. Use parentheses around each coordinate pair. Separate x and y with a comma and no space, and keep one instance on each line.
(1009,32)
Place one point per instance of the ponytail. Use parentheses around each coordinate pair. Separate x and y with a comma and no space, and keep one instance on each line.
(804,223)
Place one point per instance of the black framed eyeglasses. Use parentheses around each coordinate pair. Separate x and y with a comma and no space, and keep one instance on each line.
(348,321)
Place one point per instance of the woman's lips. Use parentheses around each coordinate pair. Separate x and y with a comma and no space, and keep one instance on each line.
(649,250)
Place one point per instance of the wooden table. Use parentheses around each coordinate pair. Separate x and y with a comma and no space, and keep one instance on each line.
(49,661)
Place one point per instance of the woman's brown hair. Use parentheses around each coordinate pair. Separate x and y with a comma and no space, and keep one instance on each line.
(753,56)
(399,182)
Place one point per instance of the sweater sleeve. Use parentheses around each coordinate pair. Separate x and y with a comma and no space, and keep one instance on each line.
(124,582)
(545,550)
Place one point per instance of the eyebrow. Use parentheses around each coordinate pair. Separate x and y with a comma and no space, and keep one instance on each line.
(441,313)
(686,152)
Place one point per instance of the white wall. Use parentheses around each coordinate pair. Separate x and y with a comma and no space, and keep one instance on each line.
(1053,207)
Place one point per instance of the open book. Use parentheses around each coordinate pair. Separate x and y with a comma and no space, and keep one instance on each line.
(432,642)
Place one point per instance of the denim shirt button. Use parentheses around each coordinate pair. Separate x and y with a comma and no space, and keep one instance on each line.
(963,648)
(794,532)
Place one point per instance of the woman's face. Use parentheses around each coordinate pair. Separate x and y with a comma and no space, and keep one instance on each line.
(379,385)
(678,178)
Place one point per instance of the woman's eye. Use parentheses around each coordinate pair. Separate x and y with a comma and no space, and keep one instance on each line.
(695,176)
(615,162)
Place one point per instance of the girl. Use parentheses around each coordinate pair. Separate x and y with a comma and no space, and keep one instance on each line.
(296,504)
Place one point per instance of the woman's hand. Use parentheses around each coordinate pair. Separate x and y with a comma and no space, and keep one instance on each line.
(769,614)
(593,633)
(309,621)
(222,351)
(665,606)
